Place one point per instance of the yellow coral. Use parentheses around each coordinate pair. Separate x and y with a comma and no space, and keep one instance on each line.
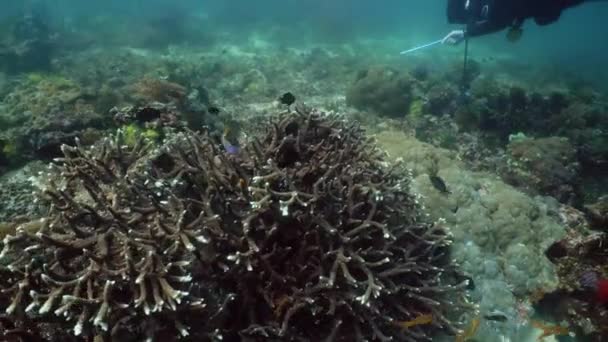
(132,132)
(416,108)
(9,149)
(151,134)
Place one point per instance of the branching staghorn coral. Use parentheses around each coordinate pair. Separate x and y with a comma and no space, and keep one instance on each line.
(303,234)
(108,248)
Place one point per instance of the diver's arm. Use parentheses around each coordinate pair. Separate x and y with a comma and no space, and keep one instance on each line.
(483,27)
(472,30)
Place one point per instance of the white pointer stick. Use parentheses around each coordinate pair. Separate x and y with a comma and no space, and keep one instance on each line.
(421,47)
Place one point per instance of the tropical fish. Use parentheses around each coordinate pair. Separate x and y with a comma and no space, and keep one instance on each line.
(287,99)
(229,146)
(439,184)
(591,280)
(470,331)
(419,320)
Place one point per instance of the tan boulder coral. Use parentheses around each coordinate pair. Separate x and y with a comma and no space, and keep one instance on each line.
(500,233)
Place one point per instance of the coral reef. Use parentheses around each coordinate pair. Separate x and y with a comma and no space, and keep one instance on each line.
(575,255)
(44,111)
(304,234)
(497,108)
(499,232)
(546,166)
(148,90)
(156,115)
(441,99)
(38,95)
(597,213)
(383,91)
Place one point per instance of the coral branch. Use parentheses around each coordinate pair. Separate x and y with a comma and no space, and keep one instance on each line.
(305,234)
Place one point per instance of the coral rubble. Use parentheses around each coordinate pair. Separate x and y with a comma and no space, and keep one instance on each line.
(305,234)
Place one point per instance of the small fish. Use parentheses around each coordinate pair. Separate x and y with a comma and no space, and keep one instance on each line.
(213,110)
(590,280)
(439,184)
(229,146)
(287,99)
(420,320)
(470,331)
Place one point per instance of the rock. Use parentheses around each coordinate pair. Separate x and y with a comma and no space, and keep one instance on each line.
(47,145)
(441,99)
(597,214)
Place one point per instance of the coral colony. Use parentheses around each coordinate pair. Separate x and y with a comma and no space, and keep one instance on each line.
(304,235)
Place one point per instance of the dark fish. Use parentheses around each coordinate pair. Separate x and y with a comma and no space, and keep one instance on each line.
(287,99)
(147,114)
(213,110)
(556,251)
(470,283)
(439,184)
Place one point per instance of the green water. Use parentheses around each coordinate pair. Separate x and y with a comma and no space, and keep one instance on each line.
(509,160)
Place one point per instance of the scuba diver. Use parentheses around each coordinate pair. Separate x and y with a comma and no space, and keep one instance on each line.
(488,16)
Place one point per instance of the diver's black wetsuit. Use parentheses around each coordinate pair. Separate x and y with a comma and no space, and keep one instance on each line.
(487,16)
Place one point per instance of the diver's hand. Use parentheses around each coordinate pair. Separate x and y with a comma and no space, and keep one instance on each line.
(454,38)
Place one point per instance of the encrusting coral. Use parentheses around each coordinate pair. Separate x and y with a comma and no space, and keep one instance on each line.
(303,234)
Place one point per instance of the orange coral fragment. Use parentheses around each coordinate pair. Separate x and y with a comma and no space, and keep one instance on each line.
(470,331)
(549,330)
(419,320)
(280,304)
